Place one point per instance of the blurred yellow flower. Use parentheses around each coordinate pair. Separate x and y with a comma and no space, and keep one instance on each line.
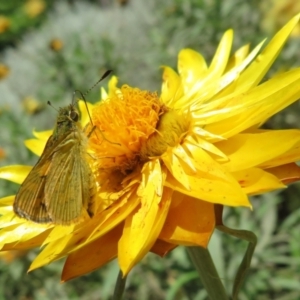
(32,105)
(2,153)
(162,162)
(4,71)
(277,12)
(33,8)
(56,44)
(4,24)
(9,256)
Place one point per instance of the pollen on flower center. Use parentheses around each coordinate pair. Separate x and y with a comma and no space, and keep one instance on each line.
(123,122)
(171,129)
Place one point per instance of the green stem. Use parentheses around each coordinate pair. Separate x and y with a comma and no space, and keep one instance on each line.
(120,286)
(207,272)
(251,238)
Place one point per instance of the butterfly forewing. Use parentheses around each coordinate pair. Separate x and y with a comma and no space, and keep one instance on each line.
(67,191)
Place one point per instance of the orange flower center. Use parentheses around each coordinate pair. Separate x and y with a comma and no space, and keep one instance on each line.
(123,123)
(131,127)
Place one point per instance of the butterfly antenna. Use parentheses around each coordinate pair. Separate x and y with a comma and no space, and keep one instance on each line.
(87,91)
(106,74)
(50,104)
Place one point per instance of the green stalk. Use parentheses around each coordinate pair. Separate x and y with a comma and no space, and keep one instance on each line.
(120,286)
(207,272)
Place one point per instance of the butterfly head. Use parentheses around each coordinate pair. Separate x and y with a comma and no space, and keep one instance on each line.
(67,121)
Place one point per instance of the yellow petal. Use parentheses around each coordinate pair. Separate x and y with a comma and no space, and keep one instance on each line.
(86,233)
(114,215)
(10,219)
(287,173)
(182,154)
(211,190)
(142,229)
(226,85)
(201,96)
(202,133)
(58,232)
(23,234)
(93,255)
(5,209)
(112,86)
(202,143)
(221,56)
(238,57)
(28,243)
(7,201)
(257,70)
(291,155)
(36,146)
(171,88)
(254,106)
(152,181)
(193,70)
(195,75)
(103,93)
(42,135)
(85,109)
(256,181)
(175,167)
(6,204)
(162,248)
(190,221)
(206,165)
(248,150)
(191,67)
(15,173)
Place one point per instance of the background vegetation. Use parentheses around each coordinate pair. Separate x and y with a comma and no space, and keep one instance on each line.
(49,48)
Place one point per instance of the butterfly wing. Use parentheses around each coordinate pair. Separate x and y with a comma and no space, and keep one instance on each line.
(29,202)
(70,183)
(61,187)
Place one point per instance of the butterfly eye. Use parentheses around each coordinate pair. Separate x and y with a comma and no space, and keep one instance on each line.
(74,116)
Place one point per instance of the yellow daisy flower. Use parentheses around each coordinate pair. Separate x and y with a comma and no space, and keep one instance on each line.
(161,163)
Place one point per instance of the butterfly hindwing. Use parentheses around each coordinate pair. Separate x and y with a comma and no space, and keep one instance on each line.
(30,201)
